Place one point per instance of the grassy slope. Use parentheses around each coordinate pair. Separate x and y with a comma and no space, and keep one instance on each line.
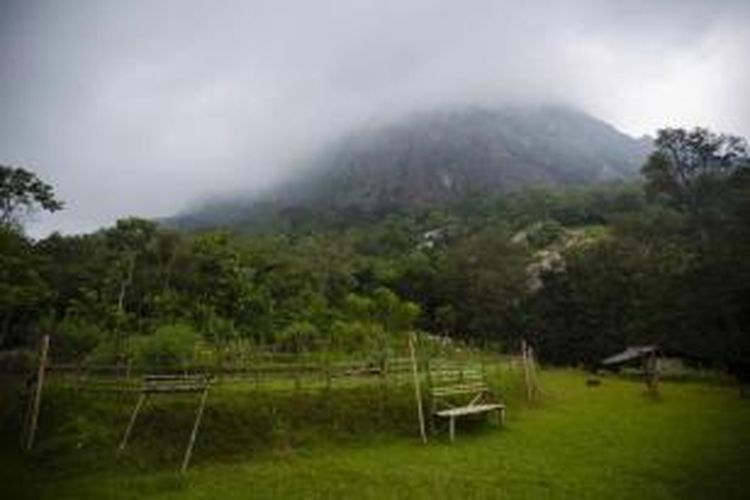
(606,442)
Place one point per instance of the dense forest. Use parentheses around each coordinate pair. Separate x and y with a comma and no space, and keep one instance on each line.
(580,272)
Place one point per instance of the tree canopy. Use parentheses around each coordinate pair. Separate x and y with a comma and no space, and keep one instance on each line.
(21,192)
(581,272)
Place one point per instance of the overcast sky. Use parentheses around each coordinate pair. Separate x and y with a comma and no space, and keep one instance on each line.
(142,107)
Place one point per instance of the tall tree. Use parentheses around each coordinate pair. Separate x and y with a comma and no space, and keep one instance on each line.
(22,291)
(22,192)
(689,166)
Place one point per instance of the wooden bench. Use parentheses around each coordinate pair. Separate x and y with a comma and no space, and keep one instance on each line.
(459,391)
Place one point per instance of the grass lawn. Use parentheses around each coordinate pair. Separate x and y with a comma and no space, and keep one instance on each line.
(611,441)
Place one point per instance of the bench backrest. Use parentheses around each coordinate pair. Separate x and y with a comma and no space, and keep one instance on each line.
(454,384)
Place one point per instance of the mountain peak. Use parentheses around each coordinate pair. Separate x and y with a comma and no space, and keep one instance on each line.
(443,156)
(433,157)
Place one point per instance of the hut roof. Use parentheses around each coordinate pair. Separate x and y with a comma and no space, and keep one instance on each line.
(629,354)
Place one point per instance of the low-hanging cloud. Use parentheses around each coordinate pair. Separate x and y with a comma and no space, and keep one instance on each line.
(142,107)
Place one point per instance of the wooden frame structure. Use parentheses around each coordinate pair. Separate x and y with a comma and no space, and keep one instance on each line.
(171,384)
(457,391)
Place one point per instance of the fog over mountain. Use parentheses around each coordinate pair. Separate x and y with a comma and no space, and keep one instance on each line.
(439,157)
(443,156)
(144,107)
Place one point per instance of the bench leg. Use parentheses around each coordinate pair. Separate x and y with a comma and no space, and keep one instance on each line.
(452,428)
(131,423)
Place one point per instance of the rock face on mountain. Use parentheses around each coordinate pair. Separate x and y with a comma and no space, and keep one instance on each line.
(444,156)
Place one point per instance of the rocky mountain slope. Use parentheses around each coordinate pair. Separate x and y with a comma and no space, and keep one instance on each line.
(441,157)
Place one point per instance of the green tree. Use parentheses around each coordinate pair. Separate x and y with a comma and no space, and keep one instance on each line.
(22,192)
(78,271)
(611,294)
(23,292)
(706,176)
(689,167)
(484,279)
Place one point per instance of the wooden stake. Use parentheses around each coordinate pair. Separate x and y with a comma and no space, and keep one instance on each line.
(133,416)
(384,386)
(38,393)
(27,416)
(417,392)
(533,370)
(328,374)
(198,417)
(526,374)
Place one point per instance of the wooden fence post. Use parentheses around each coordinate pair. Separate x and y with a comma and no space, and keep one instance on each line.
(417,391)
(38,392)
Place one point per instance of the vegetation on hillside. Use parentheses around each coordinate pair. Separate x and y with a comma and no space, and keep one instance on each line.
(437,157)
(581,272)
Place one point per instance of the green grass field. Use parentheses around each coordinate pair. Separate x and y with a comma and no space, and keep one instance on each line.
(611,441)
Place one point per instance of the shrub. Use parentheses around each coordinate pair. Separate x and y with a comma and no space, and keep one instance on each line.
(171,346)
(74,339)
(297,337)
(545,234)
(357,336)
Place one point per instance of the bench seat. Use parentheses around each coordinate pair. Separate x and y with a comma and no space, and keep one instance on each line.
(469,410)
